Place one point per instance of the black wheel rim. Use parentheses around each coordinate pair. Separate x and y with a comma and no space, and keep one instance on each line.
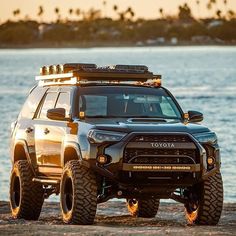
(15,192)
(67,195)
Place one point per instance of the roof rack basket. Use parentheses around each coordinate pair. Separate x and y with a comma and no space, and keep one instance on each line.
(81,73)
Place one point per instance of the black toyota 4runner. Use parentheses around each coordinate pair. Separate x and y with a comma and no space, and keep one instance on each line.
(94,133)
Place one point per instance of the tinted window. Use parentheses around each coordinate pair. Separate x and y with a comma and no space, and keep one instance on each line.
(127,102)
(63,101)
(95,105)
(49,103)
(32,102)
(167,106)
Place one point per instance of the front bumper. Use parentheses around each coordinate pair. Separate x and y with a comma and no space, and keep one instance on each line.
(121,172)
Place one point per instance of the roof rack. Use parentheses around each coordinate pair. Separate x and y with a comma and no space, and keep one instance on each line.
(82,73)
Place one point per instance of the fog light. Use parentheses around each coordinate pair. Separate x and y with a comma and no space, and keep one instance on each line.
(210,161)
(102,159)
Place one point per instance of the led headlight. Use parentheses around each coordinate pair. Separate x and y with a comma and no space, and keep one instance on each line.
(209,137)
(100,136)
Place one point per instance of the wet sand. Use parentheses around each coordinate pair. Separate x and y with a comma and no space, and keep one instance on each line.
(113,219)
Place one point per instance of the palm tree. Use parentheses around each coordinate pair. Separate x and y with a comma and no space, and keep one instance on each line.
(122,16)
(40,13)
(218,13)
(115,8)
(210,4)
(77,11)
(71,11)
(57,11)
(16,12)
(161,12)
(231,14)
(130,12)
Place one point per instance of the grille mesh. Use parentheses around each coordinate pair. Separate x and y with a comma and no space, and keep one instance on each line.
(161,155)
(161,138)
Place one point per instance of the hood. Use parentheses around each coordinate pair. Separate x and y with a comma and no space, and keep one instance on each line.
(128,127)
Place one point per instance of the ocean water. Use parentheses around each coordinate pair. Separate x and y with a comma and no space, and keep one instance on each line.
(202,78)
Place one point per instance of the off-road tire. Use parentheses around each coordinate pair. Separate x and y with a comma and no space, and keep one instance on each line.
(210,203)
(78,194)
(146,208)
(26,196)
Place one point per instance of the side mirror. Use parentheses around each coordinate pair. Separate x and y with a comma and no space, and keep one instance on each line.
(195,116)
(56,114)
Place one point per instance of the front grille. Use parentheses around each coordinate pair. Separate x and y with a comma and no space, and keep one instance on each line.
(161,138)
(153,156)
(140,155)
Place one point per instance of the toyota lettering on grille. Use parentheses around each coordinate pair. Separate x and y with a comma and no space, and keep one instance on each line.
(163,145)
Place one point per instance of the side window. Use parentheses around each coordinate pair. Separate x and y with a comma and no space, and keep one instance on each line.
(49,103)
(32,102)
(166,107)
(63,101)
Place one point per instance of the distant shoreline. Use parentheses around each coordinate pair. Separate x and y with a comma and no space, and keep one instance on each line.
(107,45)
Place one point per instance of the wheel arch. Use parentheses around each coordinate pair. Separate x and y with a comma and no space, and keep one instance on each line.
(20,151)
(70,152)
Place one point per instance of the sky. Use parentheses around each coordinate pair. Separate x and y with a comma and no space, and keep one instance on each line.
(142,8)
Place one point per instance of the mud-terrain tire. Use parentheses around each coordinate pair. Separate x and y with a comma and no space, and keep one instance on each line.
(146,208)
(209,202)
(78,194)
(26,196)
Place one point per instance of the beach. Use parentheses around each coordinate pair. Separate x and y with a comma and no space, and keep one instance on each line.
(113,219)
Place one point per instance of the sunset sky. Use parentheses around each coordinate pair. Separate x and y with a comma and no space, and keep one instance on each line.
(142,8)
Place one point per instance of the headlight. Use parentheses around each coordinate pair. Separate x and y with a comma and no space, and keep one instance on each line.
(100,136)
(209,137)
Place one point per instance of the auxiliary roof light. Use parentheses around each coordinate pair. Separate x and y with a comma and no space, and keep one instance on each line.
(157,82)
(53,69)
(44,70)
(60,69)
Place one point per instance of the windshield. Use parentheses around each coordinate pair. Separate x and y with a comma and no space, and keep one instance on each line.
(127,102)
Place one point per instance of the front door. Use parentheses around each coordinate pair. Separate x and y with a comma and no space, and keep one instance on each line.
(49,134)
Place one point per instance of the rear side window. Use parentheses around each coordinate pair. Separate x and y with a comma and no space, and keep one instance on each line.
(49,103)
(32,102)
(63,101)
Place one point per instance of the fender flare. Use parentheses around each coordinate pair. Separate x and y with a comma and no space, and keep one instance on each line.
(72,145)
(23,143)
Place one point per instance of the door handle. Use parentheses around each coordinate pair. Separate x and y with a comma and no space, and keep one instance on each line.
(29,130)
(46,131)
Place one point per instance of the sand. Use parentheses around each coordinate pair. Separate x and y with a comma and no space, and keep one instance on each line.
(113,219)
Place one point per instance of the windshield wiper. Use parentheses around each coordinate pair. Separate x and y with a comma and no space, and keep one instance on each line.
(148,119)
(154,117)
(101,116)
(135,117)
